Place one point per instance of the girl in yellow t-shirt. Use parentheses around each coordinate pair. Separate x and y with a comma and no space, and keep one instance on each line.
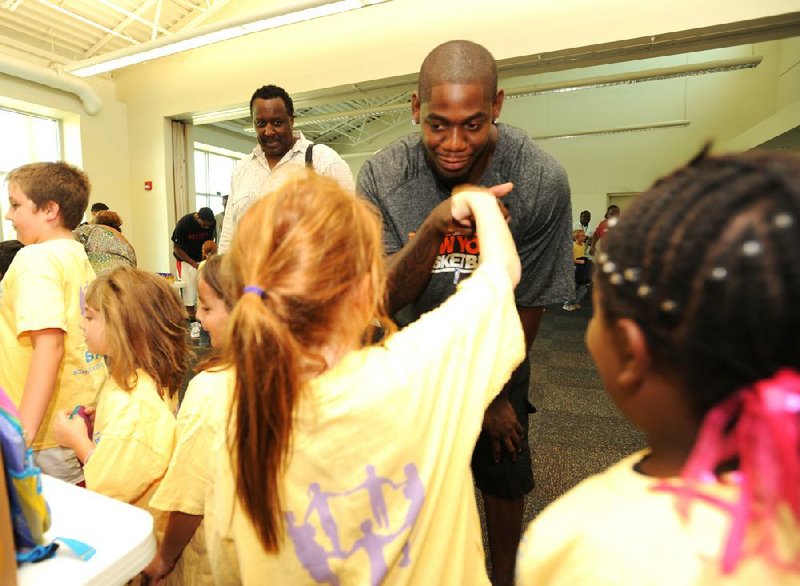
(342,461)
(182,557)
(694,334)
(136,320)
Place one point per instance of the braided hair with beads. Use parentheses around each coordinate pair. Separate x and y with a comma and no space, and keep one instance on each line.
(707,263)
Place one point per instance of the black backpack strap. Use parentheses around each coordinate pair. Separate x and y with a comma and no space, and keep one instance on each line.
(309,156)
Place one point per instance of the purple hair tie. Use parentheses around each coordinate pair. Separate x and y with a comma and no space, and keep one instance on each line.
(254,289)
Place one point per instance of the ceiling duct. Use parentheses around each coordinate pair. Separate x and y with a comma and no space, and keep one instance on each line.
(55,79)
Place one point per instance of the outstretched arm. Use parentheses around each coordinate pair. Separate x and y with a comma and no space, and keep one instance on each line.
(180,530)
(409,269)
(478,207)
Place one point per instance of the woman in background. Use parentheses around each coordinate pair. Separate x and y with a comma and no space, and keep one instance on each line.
(104,243)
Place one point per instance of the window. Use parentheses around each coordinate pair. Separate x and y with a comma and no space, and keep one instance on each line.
(26,139)
(212,177)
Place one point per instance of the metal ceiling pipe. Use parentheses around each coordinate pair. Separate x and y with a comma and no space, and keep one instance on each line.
(52,78)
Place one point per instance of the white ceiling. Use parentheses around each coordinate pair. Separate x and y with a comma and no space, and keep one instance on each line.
(61,32)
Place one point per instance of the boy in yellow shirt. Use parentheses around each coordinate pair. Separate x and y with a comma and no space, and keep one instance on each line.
(44,363)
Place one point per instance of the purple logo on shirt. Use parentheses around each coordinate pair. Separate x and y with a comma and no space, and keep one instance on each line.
(376,532)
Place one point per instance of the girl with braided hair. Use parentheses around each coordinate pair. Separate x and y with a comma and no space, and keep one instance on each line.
(694,334)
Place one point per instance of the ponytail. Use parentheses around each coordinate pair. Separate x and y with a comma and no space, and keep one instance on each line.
(266,393)
(307,267)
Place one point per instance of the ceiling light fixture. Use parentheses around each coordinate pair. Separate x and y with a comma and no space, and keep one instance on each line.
(213,33)
(628,78)
(617,130)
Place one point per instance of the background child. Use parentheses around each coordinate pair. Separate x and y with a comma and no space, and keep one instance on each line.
(582,269)
(312,483)
(695,336)
(44,365)
(209,250)
(137,321)
(182,491)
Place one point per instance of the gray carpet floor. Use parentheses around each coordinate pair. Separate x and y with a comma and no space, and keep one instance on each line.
(577,431)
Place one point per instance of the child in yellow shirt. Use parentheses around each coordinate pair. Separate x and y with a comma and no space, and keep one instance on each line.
(583,268)
(344,462)
(182,556)
(44,364)
(137,321)
(694,333)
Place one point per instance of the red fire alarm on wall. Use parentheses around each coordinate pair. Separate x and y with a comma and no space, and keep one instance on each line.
(148,186)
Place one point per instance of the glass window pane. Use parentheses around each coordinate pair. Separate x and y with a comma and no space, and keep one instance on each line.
(219,174)
(26,139)
(45,139)
(215,203)
(200,172)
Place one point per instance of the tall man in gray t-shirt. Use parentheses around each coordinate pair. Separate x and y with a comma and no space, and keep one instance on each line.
(410,182)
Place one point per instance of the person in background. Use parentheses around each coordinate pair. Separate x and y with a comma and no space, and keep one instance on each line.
(220,219)
(44,365)
(583,224)
(104,243)
(294,496)
(611,218)
(279,150)
(191,231)
(458,104)
(209,250)
(96,207)
(182,557)
(583,270)
(8,251)
(694,334)
(136,321)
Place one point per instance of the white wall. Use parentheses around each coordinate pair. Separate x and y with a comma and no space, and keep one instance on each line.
(103,150)
(221,138)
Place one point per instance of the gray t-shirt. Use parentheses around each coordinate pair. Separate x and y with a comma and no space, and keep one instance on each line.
(399,182)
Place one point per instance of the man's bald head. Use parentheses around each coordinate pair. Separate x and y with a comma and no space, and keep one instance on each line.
(458,62)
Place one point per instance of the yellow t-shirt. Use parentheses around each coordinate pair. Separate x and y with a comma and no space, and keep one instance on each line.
(578,250)
(378,488)
(614,529)
(134,434)
(184,486)
(44,288)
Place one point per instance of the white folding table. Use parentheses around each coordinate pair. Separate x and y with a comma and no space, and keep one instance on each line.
(121,533)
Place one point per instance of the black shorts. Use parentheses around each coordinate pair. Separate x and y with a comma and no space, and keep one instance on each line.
(507,478)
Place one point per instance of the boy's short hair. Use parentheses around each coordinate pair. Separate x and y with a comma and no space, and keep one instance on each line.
(99,207)
(58,182)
